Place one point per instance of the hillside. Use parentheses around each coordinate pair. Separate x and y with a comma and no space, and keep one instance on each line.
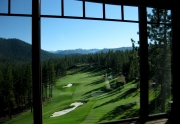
(15,49)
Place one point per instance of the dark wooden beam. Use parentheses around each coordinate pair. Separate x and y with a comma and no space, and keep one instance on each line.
(175,64)
(9,6)
(122,12)
(84,9)
(144,69)
(104,11)
(62,7)
(151,3)
(36,62)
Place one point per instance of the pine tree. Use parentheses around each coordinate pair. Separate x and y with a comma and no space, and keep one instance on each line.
(28,77)
(51,76)
(159,51)
(1,94)
(8,87)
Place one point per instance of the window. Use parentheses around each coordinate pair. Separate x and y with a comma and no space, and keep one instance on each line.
(156,86)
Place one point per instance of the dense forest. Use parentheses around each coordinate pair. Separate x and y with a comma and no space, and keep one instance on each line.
(16,74)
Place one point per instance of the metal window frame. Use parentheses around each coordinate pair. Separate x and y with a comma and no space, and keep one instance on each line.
(36,47)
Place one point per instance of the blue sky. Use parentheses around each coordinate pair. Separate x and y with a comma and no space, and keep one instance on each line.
(62,34)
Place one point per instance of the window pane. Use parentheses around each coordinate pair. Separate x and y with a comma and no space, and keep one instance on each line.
(51,7)
(3,6)
(15,70)
(159,66)
(102,84)
(21,6)
(150,12)
(73,8)
(164,15)
(130,13)
(94,10)
(113,11)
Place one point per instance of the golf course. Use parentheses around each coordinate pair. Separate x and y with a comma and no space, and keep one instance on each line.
(94,97)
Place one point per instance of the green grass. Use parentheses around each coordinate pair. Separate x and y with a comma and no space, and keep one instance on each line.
(88,85)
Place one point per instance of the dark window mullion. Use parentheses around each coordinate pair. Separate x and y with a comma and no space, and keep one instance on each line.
(175,63)
(122,12)
(9,6)
(143,65)
(62,7)
(36,62)
(84,9)
(104,11)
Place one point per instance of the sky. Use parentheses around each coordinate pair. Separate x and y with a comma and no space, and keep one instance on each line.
(66,34)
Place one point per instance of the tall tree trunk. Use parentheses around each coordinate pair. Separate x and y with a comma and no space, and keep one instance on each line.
(46,92)
(43,98)
(9,109)
(49,90)
(163,98)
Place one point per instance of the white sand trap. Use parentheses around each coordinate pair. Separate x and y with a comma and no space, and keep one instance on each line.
(59,113)
(69,85)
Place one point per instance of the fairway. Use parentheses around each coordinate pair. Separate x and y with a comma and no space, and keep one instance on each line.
(99,103)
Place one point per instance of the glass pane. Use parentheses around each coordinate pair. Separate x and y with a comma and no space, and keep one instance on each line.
(73,8)
(94,10)
(15,70)
(164,15)
(113,11)
(3,6)
(130,13)
(21,6)
(159,66)
(95,74)
(150,12)
(51,7)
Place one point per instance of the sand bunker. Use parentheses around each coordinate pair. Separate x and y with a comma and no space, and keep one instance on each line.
(69,85)
(59,113)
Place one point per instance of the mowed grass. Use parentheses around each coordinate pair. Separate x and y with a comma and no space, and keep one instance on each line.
(89,87)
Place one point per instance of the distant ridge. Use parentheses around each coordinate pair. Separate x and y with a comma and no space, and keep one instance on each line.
(87,51)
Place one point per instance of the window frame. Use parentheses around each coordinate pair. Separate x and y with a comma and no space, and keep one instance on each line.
(144,102)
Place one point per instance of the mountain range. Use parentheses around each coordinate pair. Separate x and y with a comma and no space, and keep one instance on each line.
(87,51)
(15,49)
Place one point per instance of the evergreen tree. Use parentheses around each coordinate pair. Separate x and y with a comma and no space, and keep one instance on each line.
(8,87)
(160,51)
(51,76)
(2,104)
(28,77)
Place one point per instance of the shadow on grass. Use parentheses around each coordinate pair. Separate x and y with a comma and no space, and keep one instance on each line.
(97,72)
(130,113)
(88,69)
(89,92)
(113,92)
(119,110)
(95,82)
(155,105)
(126,94)
(110,92)
(78,69)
